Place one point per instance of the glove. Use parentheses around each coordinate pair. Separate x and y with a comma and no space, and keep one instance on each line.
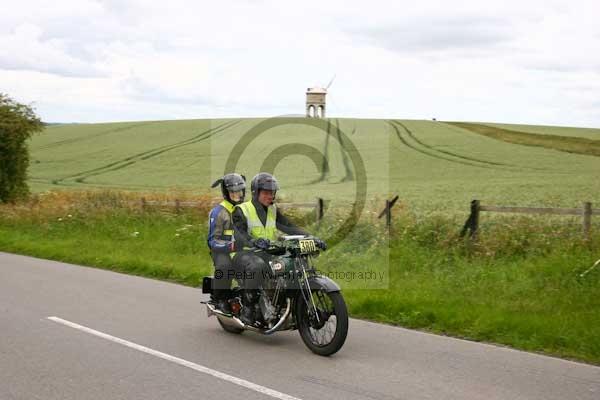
(321,244)
(261,243)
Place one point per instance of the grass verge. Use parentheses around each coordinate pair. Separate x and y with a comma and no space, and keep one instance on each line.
(523,284)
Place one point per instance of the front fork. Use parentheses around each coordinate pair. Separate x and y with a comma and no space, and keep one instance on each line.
(307,295)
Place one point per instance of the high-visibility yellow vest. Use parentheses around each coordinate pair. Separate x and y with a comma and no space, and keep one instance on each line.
(256,229)
(229,232)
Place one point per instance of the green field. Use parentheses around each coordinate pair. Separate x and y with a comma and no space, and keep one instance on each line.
(432,166)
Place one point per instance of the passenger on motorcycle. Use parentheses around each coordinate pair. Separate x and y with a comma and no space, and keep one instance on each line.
(221,238)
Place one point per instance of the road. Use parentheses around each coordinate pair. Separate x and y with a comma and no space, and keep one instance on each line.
(138,338)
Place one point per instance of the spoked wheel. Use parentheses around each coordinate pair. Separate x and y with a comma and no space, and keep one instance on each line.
(324,333)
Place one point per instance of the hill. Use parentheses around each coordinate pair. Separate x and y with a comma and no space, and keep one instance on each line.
(431,165)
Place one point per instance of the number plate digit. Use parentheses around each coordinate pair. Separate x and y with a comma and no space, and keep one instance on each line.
(307,246)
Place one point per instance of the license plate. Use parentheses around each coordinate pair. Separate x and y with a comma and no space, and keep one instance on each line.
(307,246)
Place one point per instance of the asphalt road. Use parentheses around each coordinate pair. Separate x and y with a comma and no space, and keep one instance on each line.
(158,343)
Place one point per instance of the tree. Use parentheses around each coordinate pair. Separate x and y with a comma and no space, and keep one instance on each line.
(17,123)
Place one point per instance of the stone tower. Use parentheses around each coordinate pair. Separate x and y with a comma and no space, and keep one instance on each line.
(315,102)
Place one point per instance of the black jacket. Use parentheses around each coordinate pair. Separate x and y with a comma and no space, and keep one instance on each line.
(240,225)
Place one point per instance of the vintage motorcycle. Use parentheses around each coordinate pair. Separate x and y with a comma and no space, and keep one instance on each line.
(294,296)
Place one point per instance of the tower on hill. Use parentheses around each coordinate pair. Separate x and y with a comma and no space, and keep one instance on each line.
(315,102)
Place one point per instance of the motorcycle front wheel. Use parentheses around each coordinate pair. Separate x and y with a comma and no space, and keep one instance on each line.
(324,333)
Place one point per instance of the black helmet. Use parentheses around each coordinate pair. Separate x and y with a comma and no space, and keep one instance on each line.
(263,181)
(233,183)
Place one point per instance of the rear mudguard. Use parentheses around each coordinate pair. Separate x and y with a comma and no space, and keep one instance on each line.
(320,282)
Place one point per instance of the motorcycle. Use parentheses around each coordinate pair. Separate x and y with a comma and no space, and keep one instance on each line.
(293,296)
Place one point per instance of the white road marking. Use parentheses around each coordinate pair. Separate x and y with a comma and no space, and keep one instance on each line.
(180,361)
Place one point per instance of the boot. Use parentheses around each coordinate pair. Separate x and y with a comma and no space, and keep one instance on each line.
(266,307)
(220,303)
(223,306)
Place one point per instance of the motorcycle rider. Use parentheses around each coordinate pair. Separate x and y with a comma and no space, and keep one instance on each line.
(221,238)
(256,223)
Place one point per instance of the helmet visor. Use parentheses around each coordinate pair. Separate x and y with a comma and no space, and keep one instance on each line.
(236,187)
(268,185)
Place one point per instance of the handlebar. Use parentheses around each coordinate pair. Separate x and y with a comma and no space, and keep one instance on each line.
(284,243)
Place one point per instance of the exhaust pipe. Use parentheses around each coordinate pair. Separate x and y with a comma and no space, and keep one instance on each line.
(282,319)
(211,310)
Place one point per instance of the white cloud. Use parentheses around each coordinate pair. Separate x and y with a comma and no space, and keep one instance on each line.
(534,62)
(24,49)
(442,35)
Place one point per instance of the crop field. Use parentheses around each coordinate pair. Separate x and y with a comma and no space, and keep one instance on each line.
(432,166)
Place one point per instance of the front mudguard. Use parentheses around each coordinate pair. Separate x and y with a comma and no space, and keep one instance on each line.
(320,282)
(316,283)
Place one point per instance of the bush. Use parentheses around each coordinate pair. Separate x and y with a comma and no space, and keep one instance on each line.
(17,123)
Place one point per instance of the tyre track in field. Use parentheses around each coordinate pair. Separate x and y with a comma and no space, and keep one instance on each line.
(325,164)
(349,175)
(128,161)
(412,136)
(462,132)
(430,153)
(325,168)
(74,184)
(80,139)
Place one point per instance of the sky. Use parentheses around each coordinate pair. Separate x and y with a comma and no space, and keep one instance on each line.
(531,62)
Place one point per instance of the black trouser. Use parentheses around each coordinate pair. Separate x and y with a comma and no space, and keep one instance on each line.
(222,276)
(252,267)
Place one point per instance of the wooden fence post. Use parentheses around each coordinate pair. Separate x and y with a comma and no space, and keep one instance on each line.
(472,223)
(475,210)
(177,207)
(388,214)
(387,211)
(143,203)
(587,220)
(320,209)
